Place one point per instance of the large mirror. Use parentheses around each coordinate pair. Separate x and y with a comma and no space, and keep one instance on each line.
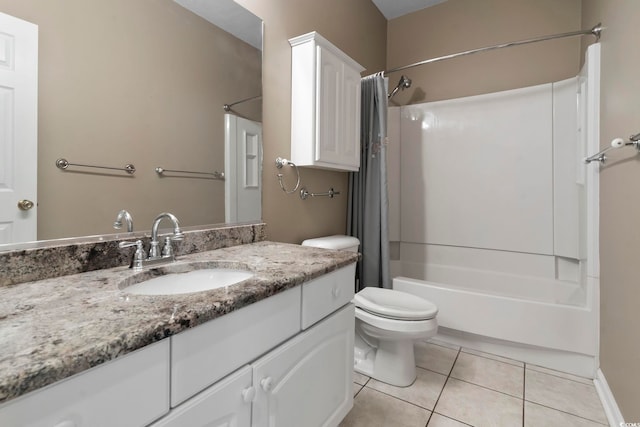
(138,82)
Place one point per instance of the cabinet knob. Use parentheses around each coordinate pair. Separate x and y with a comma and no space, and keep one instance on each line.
(335,292)
(248,394)
(266,383)
(66,424)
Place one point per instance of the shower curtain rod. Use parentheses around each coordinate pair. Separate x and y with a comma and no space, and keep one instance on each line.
(595,31)
(227,107)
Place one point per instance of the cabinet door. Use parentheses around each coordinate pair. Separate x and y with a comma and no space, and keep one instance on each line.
(350,147)
(308,380)
(329,107)
(225,404)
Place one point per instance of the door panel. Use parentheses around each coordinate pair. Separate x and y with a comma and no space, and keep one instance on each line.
(243,169)
(308,381)
(18,128)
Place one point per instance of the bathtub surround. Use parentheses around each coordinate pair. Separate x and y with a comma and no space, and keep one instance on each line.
(518,241)
(44,260)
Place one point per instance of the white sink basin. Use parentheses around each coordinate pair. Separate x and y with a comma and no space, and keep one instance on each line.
(192,281)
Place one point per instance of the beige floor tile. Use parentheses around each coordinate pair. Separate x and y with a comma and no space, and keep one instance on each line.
(438,420)
(374,409)
(494,357)
(536,416)
(490,373)
(356,388)
(360,379)
(479,406)
(423,392)
(434,357)
(582,380)
(565,395)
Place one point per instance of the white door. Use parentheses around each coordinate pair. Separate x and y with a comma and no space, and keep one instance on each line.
(308,380)
(18,129)
(243,169)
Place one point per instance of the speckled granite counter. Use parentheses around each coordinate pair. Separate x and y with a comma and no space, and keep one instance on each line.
(54,328)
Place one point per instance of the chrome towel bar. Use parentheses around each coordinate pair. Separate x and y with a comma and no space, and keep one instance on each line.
(615,143)
(304,194)
(64,164)
(214,174)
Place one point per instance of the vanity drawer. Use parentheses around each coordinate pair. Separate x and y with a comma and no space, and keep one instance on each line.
(132,390)
(326,294)
(203,355)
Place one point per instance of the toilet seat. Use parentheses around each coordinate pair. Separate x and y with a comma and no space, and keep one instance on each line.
(393,304)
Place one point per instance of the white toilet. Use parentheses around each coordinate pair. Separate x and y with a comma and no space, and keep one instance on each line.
(388,322)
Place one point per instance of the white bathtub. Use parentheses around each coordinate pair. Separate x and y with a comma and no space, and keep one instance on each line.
(527,327)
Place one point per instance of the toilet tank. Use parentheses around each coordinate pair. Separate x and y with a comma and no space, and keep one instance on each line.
(345,243)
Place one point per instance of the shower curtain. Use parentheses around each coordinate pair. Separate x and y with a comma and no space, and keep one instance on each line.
(368,198)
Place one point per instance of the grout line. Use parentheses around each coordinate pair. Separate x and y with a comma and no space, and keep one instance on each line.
(398,398)
(430,416)
(445,383)
(433,372)
(558,376)
(451,418)
(565,412)
(356,395)
(487,388)
(516,362)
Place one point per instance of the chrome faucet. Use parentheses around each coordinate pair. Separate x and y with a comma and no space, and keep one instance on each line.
(126,216)
(154,252)
(140,258)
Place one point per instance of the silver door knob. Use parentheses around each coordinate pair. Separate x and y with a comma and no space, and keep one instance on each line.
(25,205)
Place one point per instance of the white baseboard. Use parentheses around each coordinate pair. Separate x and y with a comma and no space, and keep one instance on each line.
(608,401)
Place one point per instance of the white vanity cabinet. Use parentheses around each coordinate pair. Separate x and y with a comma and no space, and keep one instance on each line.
(325,105)
(305,380)
(130,391)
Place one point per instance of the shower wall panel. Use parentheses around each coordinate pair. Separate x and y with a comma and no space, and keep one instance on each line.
(477,172)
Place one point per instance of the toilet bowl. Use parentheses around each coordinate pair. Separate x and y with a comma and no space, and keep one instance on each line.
(388,322)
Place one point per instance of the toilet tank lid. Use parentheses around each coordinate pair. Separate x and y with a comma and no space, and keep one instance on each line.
(333,242)
(394,304)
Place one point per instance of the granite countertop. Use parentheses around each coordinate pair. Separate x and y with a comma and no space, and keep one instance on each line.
(54,328)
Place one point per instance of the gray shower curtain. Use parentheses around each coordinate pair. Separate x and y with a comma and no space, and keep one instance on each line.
(368,198)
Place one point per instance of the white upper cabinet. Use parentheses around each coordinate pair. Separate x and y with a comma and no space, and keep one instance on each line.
(325,105)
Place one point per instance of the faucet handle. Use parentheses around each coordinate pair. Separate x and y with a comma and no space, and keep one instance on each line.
(167,249)
(138,256)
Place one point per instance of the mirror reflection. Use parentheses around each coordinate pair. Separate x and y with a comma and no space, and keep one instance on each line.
(144,83)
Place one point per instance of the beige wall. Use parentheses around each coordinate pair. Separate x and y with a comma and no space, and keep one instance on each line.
(460,25)
(357,28)
(139,82)
(619,201)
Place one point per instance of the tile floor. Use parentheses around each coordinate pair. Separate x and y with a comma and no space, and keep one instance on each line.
(460,387)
